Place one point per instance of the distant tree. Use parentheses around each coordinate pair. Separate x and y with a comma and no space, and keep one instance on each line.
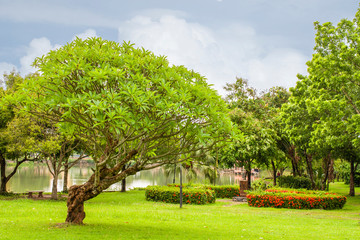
(274,99)
(256,116)
(7,116)
(30,134)
(299,123)
(126,103)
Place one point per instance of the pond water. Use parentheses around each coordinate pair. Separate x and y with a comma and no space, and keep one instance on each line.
(38,177)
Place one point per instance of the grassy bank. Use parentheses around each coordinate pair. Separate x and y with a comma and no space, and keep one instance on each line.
(129,216)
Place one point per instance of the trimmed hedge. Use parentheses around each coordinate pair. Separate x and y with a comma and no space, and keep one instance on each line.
(296,199)
(221,191)
(172,195)
(225,191)
(294,182)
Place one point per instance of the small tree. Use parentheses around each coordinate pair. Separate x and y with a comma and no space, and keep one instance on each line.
(10,146)
(127,104)
(255,115)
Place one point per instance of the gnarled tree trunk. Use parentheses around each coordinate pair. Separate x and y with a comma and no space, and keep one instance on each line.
(78,194)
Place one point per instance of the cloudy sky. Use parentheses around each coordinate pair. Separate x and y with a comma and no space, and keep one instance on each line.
(266,41)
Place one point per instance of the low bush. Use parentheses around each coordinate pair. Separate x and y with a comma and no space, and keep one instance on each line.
(225,191)
(294,182)
(221,191)
(302,199)
(172,195)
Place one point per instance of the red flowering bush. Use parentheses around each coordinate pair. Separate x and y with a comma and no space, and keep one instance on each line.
(278,198)
(172,195)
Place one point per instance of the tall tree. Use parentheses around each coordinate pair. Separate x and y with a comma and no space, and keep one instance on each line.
(256,115)
(299,123)
(256,145)
(274,99)
(127,104)
(333,88)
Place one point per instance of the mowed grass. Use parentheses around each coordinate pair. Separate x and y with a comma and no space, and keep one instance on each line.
(129,216)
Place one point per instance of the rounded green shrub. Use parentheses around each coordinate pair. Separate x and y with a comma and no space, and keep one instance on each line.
(172,195)
(221,191)
(225,191)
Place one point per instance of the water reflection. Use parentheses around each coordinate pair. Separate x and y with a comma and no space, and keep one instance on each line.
(38,177)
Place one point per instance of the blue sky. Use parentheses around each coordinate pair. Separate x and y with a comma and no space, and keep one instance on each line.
(266,41)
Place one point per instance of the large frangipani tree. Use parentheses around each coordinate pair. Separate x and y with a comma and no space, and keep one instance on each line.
(128,105)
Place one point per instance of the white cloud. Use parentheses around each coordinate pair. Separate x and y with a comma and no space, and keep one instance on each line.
(89,33)
(278,68)
(220,55)
(36,48)
(6,67)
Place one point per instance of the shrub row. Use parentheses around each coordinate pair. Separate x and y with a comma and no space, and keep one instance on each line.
(221,191)
(225,191)
(294,182)
(172,195)
(283,199)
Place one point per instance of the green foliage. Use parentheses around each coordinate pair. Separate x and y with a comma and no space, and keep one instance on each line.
(126,103)
(172,195)
(344,173)
(294,182)
(262,142)
(323,114)
(261,185)
(225,191)
(297,200)
(221,191)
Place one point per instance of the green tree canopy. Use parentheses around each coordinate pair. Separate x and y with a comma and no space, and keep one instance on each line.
(128,104)
(255,115)
(324,110)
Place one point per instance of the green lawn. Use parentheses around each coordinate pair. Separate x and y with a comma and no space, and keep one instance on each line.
(129,216)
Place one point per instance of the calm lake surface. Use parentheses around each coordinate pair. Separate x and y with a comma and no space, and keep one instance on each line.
(38,177)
